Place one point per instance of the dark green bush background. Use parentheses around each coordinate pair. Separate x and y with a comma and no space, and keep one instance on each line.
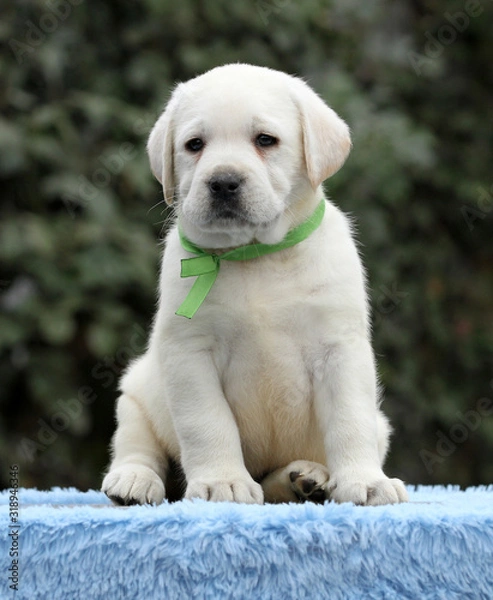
(81,216)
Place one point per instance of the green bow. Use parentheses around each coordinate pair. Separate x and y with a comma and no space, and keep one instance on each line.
(205,266)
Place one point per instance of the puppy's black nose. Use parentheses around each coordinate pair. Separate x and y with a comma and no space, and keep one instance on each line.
(225,187)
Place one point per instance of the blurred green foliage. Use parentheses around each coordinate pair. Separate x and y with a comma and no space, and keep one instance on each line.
(81,216)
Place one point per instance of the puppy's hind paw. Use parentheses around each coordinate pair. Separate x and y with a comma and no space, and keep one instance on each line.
(133,484)
(300,481)
(308,480)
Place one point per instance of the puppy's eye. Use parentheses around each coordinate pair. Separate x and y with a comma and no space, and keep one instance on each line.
(194,145)
(264,140)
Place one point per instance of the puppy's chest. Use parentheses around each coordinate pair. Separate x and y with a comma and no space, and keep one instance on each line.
(261,351)
(268,325)
(264,367)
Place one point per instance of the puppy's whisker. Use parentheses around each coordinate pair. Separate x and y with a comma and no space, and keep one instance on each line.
(167,222)
(156,205)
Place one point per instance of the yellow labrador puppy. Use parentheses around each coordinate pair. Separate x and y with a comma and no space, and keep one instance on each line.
(259,381)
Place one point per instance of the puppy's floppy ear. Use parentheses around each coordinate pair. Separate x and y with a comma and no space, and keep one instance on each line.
(160,149)
(326,138)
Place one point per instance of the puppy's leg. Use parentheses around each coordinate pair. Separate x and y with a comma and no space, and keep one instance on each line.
(211,454)
(300,481)
(303,480)
(355,432)
(139,462)
(383,435)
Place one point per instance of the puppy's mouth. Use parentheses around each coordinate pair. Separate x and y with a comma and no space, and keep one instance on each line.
(227,229)
(228,215)
(231,222)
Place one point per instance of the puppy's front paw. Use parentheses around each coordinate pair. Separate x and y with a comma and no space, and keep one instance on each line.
(235,489)
(366,489)
(133,484)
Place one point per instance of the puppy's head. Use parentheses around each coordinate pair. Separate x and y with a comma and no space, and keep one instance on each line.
(238,147)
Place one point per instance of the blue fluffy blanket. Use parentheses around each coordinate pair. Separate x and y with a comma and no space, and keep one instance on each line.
(71,545)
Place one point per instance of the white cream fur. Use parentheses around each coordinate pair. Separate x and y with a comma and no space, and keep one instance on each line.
(277,364)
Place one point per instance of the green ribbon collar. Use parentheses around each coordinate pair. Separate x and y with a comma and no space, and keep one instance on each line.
(205,266)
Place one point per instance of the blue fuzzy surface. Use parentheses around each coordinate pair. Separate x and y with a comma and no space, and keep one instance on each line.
(76,545)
